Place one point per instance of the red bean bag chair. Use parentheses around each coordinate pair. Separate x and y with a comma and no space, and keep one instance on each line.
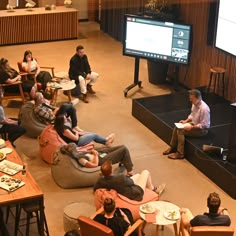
(49,140)
(122,201)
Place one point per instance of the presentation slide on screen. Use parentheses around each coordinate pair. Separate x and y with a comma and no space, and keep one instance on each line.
(149,38)
(226,26)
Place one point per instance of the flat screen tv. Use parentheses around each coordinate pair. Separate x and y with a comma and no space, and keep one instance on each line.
(226,26)
(153,39)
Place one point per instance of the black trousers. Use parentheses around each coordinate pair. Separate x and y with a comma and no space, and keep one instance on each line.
(13,131)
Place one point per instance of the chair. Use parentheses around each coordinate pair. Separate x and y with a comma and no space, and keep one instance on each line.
(31,210)
(207,231)
(9,95)
(30,121)
(50,68)
(217,73)
(90,227)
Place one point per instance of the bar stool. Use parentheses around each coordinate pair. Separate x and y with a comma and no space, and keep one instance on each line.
(217,73)
(32,211)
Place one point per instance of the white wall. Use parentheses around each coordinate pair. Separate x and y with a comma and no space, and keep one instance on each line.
(82,7)
(43,3)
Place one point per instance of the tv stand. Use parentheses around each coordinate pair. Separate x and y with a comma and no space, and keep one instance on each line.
(136,82)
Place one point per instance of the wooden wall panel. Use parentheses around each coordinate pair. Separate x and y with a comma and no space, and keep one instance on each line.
(204,56)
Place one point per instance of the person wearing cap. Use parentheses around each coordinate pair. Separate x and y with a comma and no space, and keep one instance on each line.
(195,125)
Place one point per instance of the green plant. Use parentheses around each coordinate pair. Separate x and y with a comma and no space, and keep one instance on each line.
(157,6)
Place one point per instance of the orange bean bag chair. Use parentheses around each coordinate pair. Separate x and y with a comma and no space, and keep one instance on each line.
(49,140)
(122,201)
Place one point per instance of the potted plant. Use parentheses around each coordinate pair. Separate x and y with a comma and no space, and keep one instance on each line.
(165,11)
(160,9)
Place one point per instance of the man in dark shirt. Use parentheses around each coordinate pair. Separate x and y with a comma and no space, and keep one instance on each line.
(81,72)
(217,216)
(131,187)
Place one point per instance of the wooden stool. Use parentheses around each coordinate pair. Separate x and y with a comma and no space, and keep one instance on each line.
(31,210)
(217,73)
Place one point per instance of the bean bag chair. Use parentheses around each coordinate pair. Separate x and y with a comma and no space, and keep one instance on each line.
(29,120)
(49,140)
(68,174)
(122,201)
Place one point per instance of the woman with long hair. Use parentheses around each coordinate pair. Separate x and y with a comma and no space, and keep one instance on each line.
(8,75)
(29,64)
(81,138)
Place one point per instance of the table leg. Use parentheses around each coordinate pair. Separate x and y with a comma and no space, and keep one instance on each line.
(69,95)
(157,230)
(41,218)
(54,97)
(175,229)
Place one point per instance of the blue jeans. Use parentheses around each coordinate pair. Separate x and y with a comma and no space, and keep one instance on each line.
(89,137)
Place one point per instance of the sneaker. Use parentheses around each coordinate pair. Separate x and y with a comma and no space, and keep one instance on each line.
(160,189)
(75,101)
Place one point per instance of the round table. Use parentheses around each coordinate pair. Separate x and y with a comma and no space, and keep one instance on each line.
(161,220)
(64,85)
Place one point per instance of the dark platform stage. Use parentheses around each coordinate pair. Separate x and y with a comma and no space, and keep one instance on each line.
(159,114)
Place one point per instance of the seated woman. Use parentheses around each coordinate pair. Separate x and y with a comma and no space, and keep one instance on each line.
(29,64)
(80,138)
(8,75)
(94,158)
(115,218)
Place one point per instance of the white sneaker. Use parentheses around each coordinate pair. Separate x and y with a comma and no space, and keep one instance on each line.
(75,101)
(160,189)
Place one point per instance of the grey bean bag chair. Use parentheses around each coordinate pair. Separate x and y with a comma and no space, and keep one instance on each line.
(67,173)
(30,121)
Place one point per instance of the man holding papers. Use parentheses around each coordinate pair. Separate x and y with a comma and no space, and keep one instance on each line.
(196,125)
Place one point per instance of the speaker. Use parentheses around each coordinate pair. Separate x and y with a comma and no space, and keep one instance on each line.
(212,18)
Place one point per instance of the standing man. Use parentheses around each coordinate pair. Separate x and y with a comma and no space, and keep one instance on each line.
(196,125)
(80,71)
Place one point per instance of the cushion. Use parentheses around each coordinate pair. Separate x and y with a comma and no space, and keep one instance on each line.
(29,120)
(122,201)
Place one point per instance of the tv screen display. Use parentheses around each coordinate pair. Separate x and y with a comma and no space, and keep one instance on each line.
(226,26)
(153,39)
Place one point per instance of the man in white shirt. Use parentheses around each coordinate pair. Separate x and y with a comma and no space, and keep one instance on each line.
(196,125)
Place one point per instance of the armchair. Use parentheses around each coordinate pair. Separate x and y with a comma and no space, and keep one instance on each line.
(10,95)
(90,227)
(207,231)
(49,68)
